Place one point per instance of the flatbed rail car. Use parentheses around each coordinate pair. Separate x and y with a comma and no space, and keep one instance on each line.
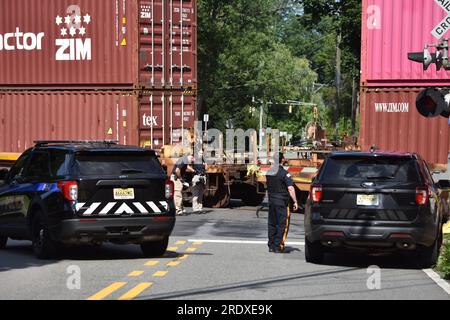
(248,181)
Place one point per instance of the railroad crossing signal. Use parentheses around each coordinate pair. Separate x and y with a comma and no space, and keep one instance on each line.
(433,102)
(440,58)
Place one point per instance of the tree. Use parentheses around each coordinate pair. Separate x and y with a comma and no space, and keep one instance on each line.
(275,50)
(242,57)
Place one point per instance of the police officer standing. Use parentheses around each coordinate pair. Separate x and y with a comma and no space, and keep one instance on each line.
(280,188)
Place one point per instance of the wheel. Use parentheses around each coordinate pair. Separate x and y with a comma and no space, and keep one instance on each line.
(314,252)
(44,247)
(216,196)
(3,241)
(153,249)
(427,257)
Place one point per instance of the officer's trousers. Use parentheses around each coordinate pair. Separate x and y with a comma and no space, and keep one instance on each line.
(178,195)
(279,220)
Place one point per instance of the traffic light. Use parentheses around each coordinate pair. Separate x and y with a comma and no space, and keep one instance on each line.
(432,102)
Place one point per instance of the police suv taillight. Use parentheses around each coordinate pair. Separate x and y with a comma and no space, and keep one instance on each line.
(69,190)
(169,189)
(422,195)
(316,193)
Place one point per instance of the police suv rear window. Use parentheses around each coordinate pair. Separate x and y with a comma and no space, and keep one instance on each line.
(117,164)
(389,169)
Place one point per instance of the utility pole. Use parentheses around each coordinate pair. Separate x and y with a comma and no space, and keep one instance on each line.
(261,116)
(337,107)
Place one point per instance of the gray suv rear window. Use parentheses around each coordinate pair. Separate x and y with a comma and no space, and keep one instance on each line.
(116,164)
(349,169)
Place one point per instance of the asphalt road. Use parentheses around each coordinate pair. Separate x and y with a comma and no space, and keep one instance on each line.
(218,255)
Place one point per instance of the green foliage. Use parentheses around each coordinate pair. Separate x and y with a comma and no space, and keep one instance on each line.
(267,50)
(443,265)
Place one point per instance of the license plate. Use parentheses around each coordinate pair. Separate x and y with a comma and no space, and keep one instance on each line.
(124,194)
(367,200)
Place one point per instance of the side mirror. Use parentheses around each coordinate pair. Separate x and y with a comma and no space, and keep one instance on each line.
(443,184)
(3,174)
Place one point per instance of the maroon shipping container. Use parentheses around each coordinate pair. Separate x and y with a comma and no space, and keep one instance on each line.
(165,118)
(89,115)
(391,29)
(106,44)
(390,121)
(168,43)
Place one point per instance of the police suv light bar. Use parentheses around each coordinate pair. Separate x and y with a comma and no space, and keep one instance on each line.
(47,142)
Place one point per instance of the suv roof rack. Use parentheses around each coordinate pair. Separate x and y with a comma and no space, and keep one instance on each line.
(41,143)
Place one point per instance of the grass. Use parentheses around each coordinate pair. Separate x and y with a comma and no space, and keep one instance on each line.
(443,266)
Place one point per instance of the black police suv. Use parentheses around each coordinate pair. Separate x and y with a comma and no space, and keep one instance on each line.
(86,192)
(375,202)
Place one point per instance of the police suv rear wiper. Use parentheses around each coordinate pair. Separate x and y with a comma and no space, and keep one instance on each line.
(124,171)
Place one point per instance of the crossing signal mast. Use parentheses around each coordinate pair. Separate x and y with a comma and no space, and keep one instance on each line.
(433,102)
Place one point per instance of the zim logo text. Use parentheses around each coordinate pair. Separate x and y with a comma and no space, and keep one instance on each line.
(72,46)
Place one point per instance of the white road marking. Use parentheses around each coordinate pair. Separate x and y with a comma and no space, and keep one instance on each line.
(243,242)
(439,281)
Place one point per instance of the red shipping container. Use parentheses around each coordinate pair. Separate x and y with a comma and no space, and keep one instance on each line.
(391,29)
(102,44)
(93,115)
(165,118)
(168,43)
(29,116)
(390,121)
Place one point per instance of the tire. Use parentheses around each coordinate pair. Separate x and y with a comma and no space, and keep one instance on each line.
(3,241)
(427,257)
(44,247)
(314,252)
(152,249)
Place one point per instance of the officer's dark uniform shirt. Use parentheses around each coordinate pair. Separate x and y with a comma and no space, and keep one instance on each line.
(277,186)
(199,168)
(182,164)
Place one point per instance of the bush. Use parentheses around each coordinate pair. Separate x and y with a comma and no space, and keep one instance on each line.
(443,265)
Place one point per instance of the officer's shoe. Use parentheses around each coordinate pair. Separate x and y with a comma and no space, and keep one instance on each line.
(271,249)
(278,250)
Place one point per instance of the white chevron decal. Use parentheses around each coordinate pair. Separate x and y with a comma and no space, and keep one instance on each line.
(78,206)
(140,207)
(92,208)
(108,208)
(165,204)
(124,208)
(154,207)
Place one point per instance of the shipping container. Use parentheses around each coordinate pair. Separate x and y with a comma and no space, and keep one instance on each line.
(390,121)
(391,29)
(105,44)
(93,115)
(166,118)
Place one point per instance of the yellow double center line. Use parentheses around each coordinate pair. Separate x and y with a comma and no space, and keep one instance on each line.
(141,287)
